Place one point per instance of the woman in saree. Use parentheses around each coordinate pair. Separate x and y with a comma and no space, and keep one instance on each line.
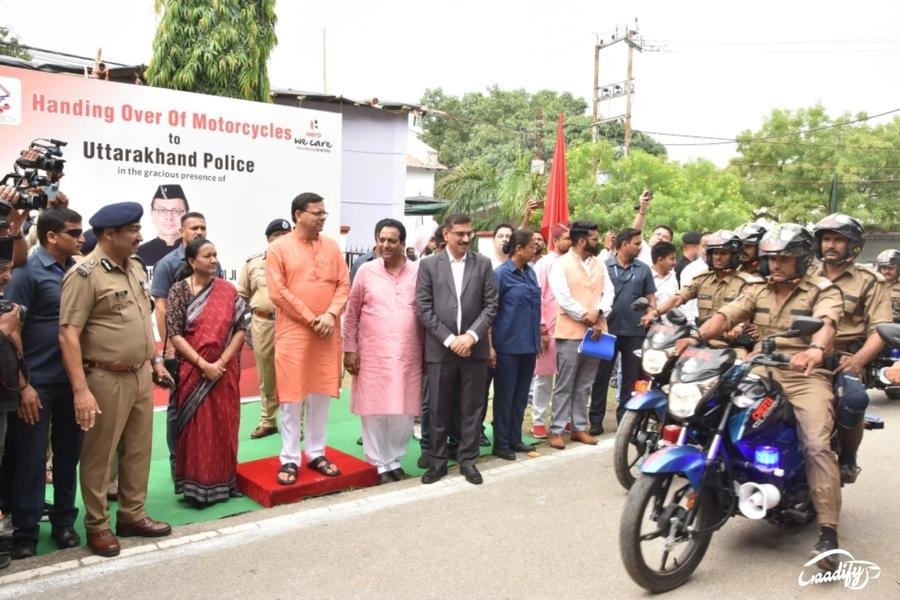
(206,321)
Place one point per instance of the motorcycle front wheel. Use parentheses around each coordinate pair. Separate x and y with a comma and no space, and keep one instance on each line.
(636,438)
(659,553)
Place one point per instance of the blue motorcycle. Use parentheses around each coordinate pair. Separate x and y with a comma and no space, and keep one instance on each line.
(642,430)
(737,453)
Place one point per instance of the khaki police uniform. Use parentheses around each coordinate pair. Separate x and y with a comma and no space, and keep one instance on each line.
(713,292)
(894,293)
(112,307)
(812,397)
(865,306)
(252,287)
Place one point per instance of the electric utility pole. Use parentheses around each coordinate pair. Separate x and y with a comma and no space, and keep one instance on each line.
(605,92)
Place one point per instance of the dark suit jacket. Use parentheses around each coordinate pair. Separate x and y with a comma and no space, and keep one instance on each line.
(436,305)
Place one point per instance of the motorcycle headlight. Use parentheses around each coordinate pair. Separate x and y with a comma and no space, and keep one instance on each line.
(654,361)
(684,397)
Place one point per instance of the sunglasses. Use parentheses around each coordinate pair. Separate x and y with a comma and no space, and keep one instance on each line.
(75,233)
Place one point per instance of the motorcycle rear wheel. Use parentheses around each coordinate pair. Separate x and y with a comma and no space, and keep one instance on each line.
(658,501)
(637,436)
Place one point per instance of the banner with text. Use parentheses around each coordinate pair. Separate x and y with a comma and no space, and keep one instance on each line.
(239,163)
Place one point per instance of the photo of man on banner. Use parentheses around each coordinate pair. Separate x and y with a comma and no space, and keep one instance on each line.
(166,209)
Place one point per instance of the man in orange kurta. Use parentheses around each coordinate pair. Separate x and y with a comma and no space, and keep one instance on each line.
(309,284)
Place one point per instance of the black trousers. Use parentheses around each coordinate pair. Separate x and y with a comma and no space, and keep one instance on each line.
(27,446)
(452,434)
(455,390)
(631,372)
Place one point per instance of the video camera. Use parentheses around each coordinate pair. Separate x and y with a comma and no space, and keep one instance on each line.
(28,180)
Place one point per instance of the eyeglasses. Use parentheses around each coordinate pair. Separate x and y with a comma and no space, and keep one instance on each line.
(75,233)
(169,212)
(318,215)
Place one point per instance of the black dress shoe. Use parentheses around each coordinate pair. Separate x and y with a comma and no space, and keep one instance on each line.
(471,474)
(23,549)
(433,474)
(504,453)
(520,447)
(384,478)
(66,537)
(483,441)
(596,429)
(423,461)
(398,474)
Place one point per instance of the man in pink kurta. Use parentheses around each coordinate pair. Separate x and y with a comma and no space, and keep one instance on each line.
(545,367)
(383,351)
(309,284)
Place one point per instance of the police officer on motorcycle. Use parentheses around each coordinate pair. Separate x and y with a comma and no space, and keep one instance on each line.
(888,264)
(717,287)
(791,291)
(839,240)
(750,234)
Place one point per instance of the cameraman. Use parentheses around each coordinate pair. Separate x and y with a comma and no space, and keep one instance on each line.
(48,395)
(17,219)
(10,375)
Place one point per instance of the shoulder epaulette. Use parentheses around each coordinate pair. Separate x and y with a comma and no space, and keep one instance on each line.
(823,283)
(870,271)
(140,261)
(86,266)
(749,277)
(257,255)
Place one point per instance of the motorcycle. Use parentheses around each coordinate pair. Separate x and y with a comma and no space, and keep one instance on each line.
(737,453)
(643,427)
(875,373)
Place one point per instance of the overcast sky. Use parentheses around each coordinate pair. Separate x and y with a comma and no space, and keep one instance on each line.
(719,69)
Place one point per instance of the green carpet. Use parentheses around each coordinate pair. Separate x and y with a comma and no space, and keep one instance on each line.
(163,504)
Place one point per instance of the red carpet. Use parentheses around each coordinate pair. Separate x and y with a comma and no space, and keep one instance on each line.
(256,479)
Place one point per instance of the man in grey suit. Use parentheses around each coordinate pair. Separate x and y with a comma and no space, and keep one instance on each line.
(456,301)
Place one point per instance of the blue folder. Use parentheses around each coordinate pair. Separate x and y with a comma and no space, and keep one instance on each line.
(603,348)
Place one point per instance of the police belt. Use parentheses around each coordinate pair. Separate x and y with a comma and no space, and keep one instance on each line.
(263,314)
(116,368)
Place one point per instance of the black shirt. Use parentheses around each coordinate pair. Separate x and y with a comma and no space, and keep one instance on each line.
(153,251)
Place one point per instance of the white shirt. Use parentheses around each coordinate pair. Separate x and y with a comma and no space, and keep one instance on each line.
(666,287)
(605,255)
(458,268)
(559,284)
(698,267)
(645,256)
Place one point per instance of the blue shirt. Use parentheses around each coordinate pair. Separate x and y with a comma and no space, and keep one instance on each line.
(517,327)
(631,283)
(166,272)
(37,285)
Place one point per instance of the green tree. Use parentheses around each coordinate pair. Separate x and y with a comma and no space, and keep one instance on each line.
(499,125)
(694,196)
(10,45)
(787,166)
(217,47)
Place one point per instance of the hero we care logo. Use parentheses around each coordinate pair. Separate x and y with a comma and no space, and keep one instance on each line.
(854,574)
(10,101)
(313,140)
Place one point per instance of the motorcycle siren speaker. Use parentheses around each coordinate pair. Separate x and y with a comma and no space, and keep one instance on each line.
(755,499)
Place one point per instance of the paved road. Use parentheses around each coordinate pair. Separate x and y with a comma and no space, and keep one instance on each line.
(544,527)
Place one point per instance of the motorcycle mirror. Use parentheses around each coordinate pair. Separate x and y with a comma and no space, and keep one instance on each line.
(890,333)
(640,304)
(803,327)
(676,317)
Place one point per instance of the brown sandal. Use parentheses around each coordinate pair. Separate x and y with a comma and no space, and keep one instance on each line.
(324,466)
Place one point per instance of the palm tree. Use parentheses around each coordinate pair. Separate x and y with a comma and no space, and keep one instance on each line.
(477,189)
